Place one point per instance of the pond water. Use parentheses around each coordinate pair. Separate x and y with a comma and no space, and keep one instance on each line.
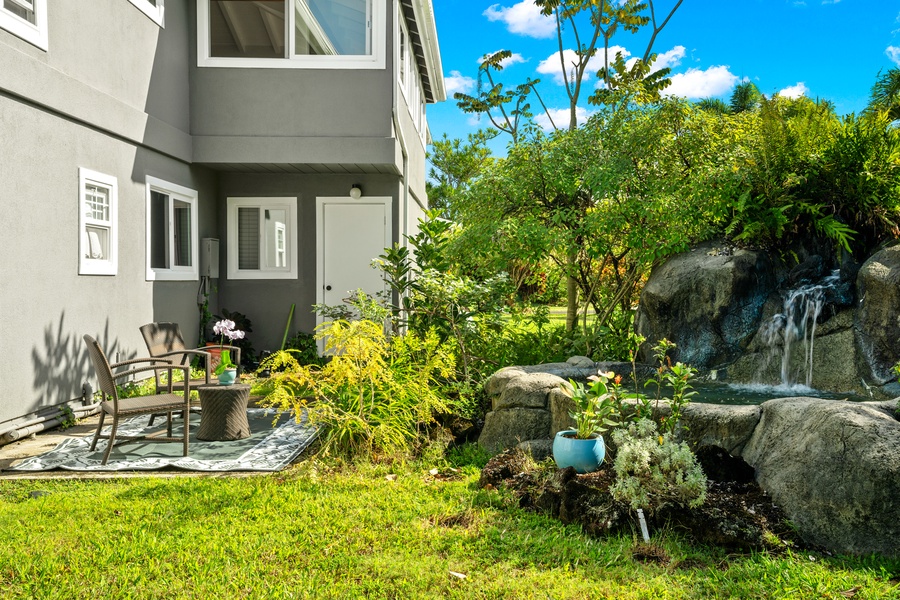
(752,393)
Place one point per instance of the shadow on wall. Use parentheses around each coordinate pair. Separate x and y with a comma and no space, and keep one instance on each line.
(63,364)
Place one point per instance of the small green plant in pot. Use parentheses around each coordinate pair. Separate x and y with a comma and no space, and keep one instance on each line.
(596,410)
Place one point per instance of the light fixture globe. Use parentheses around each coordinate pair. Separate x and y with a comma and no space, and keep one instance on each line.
(355,192)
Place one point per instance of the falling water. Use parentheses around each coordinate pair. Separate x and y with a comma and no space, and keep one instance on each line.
(795,327)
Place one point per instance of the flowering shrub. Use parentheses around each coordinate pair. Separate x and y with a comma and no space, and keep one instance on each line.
(653,470)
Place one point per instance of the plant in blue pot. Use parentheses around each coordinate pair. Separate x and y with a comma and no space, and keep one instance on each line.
(226,370)
(596,410)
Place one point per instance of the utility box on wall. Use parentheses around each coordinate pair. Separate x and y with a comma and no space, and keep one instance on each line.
(209,258)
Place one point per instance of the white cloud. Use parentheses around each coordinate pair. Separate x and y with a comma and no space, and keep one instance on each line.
(561,118)
(696,83)
(457,82)
(552,66)
(513,59)
(794,91)
(671,58)
(524,18)
(893,53)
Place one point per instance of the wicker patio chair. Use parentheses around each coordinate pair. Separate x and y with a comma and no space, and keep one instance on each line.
(164,340)
(118,408)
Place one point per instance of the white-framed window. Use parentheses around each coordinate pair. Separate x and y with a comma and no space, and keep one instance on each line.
(307,34)
(262,238)
(97,222)
(172,232)
(155,9)
(26,19)
(403,59)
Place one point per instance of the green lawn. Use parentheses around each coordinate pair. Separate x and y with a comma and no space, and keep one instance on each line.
(320,532)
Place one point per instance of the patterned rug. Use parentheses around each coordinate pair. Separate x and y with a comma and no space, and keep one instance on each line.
(275,441)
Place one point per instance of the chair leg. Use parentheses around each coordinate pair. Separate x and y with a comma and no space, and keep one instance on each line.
(186,422)
(112,439)
(97,433)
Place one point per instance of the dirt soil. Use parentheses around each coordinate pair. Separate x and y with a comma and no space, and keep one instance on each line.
(738,515)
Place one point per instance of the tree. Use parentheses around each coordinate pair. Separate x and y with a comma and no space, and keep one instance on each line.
(607,200)
(506,109)
(885,94)
(745,97)
(454,165)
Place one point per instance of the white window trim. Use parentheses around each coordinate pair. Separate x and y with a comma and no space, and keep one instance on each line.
(33,34)
(189,196)
(289,204)
(156,13)
(93,266)
(374,61)
(403,68)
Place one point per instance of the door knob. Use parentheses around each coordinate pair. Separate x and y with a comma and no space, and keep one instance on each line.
(327,288)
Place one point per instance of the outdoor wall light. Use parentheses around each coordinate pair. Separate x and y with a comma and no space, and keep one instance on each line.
(356,191)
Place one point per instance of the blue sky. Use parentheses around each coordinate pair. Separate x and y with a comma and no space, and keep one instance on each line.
(829,49)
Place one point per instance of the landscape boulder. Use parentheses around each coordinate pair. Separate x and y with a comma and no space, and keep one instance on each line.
(834,467)
(877,320)
(708,301)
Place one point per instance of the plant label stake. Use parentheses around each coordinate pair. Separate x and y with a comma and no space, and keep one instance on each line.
(643,521)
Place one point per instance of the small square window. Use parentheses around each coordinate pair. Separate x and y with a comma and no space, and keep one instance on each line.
(155,9)
(26,19)
(262,238)
(172,232)
(98,198)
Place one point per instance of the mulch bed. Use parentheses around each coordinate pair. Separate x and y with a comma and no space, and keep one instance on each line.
(738,515)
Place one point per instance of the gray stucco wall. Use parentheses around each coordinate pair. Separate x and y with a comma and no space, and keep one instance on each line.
(267,302)
(344,110)
(120,108)
(127,107)
(47,305)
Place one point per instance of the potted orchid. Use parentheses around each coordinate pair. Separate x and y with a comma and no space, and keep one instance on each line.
(226,370)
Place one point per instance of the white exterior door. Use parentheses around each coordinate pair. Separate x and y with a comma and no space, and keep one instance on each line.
(351,233)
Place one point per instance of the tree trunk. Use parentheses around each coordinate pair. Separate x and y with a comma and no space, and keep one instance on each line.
(571,293)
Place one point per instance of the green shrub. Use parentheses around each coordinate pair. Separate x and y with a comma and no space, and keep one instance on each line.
(373,397)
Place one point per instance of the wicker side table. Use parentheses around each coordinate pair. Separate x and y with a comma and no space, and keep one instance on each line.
(223,412)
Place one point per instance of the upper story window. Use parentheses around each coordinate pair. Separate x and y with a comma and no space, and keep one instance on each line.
(155,9)
(98,246)
(262,238)
(172,232)
(291,33)
(26,19)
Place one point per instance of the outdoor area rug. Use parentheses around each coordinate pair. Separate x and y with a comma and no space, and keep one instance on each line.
(267,449)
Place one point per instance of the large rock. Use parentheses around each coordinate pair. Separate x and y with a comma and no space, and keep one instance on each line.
(835,469)
(708,301)
(504,429)
(529,390)
(878,317)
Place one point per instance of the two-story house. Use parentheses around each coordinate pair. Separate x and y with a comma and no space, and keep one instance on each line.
(264,151)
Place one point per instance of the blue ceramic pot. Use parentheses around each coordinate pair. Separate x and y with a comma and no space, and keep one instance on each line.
(585,455)
(227,376)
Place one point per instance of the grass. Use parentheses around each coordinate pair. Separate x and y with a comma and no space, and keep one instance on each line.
(320,531)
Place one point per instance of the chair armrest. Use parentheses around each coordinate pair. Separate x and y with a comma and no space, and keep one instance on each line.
(135,361)
(167,367)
